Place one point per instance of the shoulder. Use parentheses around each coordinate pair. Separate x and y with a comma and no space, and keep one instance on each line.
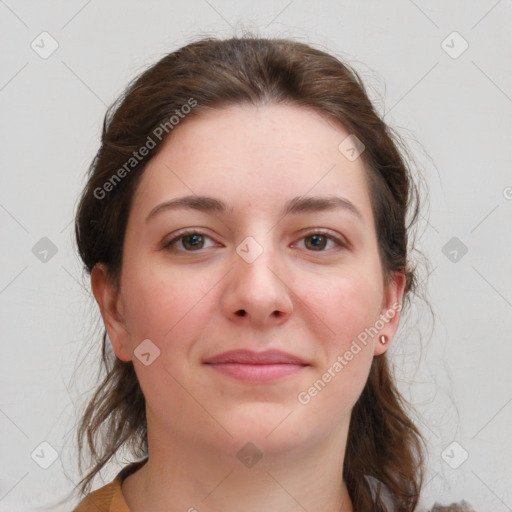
(109,498)
(101,499)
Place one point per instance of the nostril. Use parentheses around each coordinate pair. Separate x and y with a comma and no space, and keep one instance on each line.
(241,312)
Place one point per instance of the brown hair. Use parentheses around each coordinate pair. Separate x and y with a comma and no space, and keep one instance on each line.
(383,443)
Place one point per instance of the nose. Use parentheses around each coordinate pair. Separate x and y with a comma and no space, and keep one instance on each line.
(257,292)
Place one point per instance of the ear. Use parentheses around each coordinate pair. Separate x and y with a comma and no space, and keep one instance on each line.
(108,299)
(389,318)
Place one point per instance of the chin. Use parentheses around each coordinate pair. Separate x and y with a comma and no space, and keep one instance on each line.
(271,427)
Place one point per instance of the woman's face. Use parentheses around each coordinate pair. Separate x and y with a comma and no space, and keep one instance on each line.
(267,247)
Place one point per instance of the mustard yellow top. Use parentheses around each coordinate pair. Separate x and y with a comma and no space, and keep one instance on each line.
(110,497)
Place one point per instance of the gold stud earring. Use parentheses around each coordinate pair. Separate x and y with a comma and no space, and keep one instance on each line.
(383,339)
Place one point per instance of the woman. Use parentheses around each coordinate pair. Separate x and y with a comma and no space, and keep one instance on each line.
(245,228)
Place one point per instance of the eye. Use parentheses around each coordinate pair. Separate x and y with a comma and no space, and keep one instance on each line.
(319,241)
(189,241)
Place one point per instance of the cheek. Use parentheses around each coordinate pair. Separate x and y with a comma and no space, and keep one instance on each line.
(330,397)
(348,306)
(162,304)
(346,302)
(170,307)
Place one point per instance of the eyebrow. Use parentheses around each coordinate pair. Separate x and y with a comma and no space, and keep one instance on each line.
(297,205)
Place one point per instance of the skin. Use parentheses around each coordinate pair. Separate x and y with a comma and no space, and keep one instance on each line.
(308,302)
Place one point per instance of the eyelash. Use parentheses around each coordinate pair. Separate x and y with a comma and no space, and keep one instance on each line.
(322,232)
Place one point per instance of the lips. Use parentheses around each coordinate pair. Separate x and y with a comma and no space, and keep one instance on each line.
(249,357)
(251,366)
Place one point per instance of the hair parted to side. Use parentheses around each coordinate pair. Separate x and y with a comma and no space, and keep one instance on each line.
(383,443)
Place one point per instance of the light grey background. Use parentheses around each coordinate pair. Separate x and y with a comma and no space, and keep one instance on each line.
(453,108)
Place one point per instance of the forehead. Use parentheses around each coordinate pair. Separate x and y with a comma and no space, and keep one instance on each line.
(259,154)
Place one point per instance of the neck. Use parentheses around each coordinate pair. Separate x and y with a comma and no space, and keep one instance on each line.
(187,476)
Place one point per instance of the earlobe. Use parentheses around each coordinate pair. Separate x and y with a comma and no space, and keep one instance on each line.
(107,297)
(389,319)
